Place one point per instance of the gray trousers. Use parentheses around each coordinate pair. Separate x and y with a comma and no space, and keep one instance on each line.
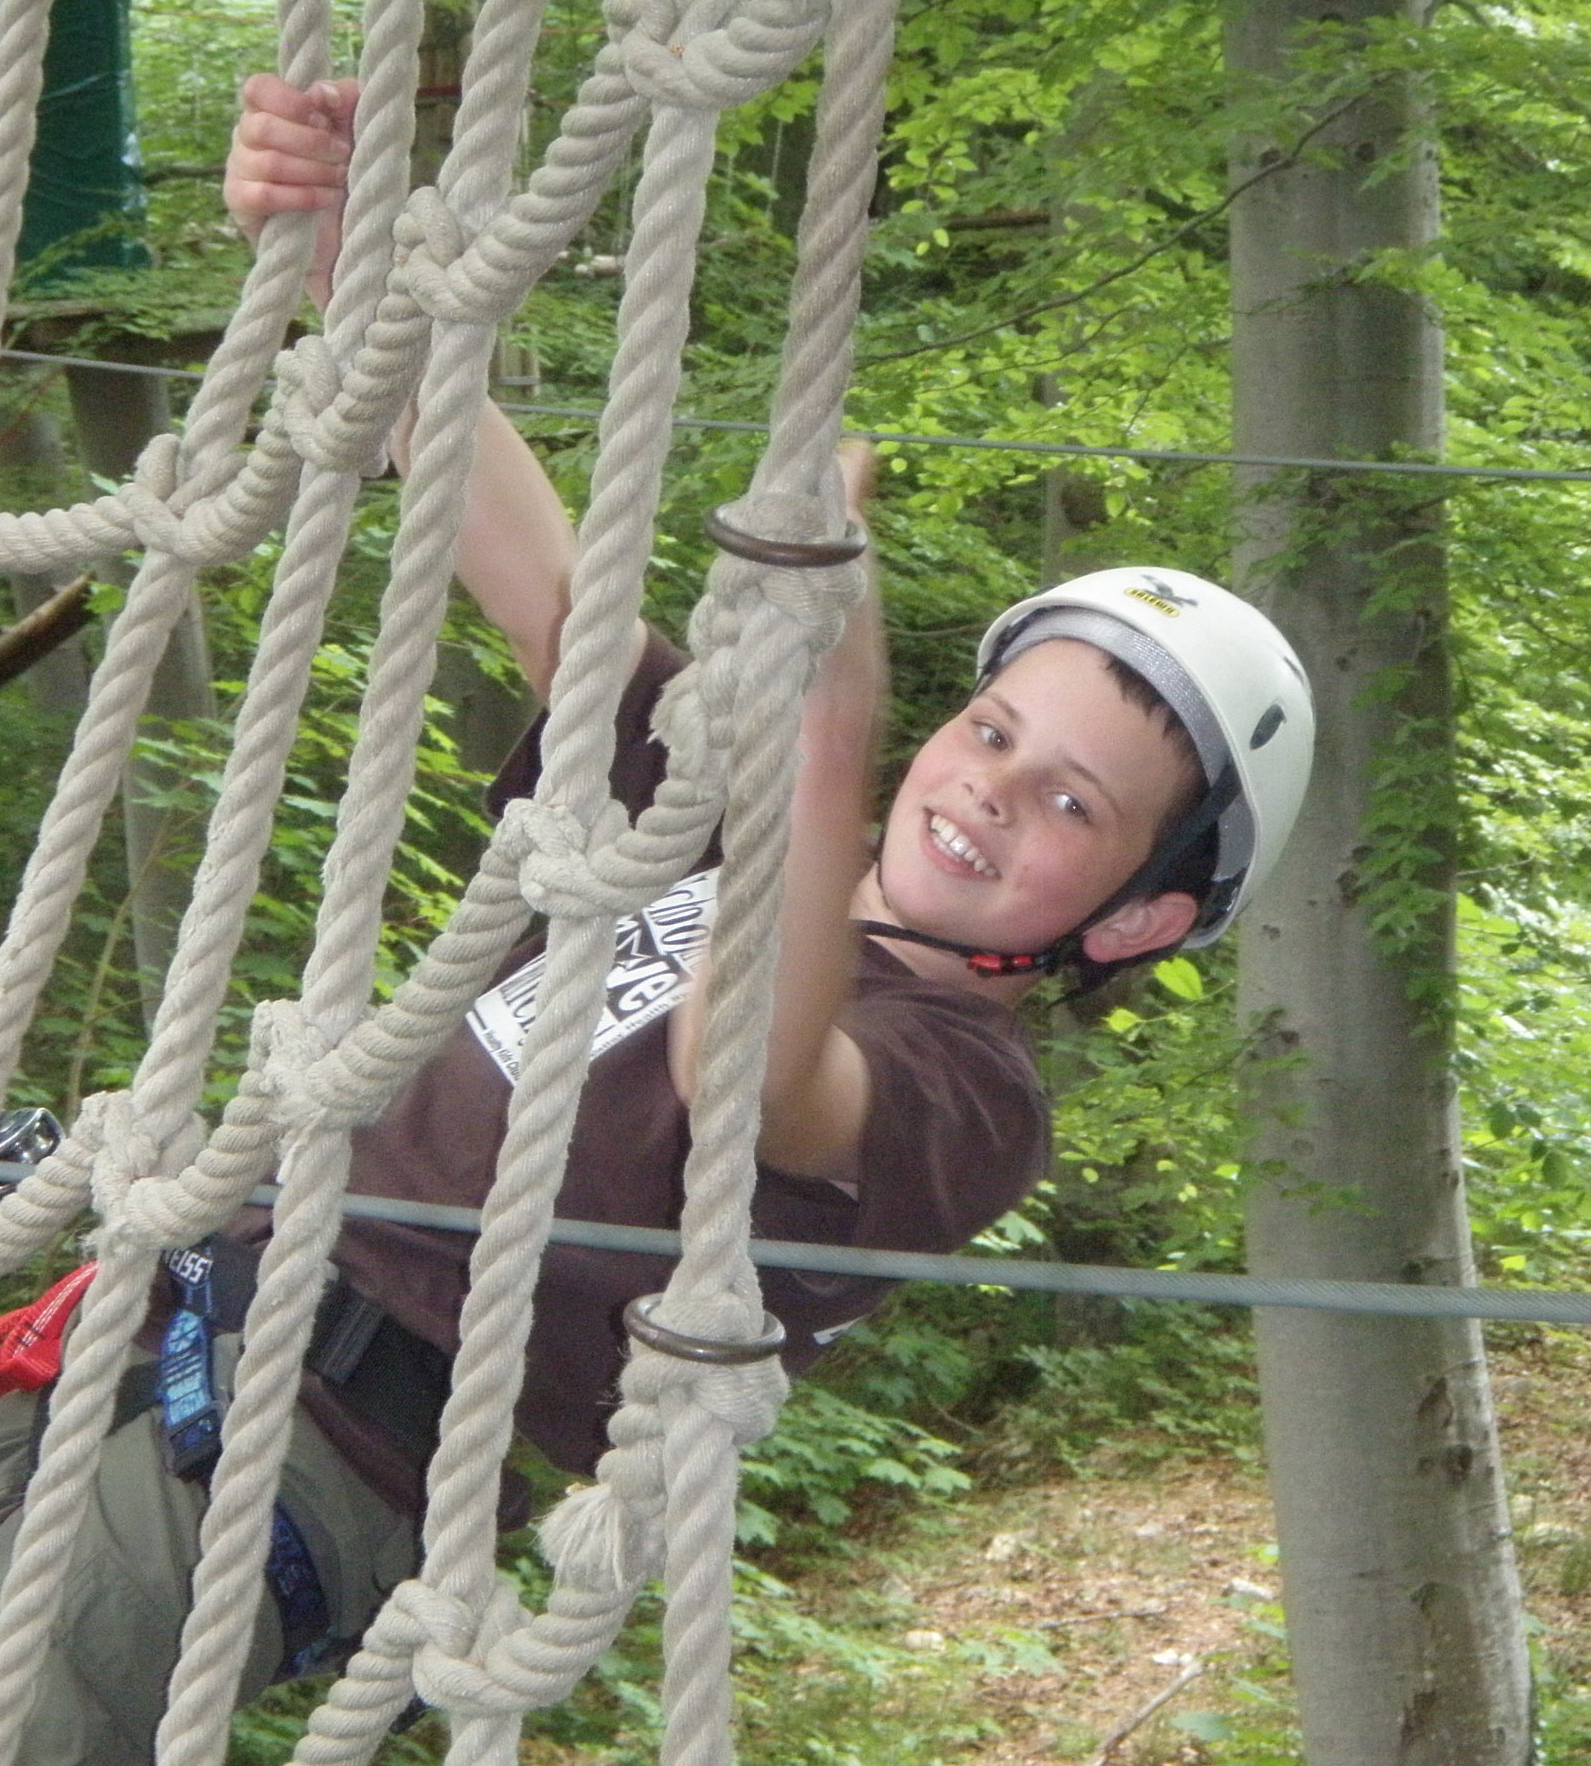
(101,1691)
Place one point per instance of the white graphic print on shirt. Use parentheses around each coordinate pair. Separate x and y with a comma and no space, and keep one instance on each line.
(658,951)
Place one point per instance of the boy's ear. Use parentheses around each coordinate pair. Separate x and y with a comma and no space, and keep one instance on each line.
(1139,926)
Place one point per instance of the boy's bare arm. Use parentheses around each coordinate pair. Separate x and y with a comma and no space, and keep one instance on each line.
(815,1094)
(516,548)
(515,555)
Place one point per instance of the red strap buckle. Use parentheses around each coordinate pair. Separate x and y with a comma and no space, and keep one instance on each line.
(30,1337)
(990,962)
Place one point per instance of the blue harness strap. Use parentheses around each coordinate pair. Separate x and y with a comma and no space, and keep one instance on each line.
(300,1599)
(192,1407)
(190,1402)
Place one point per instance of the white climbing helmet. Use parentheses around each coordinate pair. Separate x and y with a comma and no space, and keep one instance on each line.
(1230,676)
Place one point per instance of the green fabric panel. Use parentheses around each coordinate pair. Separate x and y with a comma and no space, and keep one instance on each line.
(85,178)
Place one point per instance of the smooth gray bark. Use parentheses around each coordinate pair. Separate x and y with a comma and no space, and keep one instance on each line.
(1403,1604)
(114,415)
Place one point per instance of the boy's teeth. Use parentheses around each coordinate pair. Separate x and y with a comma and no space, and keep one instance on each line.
(955,842)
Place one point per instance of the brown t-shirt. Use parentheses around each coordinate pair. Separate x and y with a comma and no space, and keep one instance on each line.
(956,1132)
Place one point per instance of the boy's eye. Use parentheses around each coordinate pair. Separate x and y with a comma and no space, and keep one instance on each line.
(1069,805)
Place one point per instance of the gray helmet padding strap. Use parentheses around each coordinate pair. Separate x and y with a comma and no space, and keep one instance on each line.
(1170,680)
(1141,654)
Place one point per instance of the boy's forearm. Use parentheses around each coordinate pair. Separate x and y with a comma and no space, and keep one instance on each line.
(815,1086)
(516,545)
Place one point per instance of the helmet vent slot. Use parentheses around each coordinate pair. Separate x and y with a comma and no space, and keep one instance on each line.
(1271,720)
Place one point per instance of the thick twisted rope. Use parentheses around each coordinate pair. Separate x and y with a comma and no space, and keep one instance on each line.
(713,1289)
(461,1531)
(603,1538)
(338,982)
(81,1405)
(24,32)
(169,476)
(464,258)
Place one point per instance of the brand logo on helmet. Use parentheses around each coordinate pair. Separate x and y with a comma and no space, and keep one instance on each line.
(1170,593)
(1155,601)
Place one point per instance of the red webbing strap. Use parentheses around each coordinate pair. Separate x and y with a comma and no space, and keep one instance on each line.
(30,1337)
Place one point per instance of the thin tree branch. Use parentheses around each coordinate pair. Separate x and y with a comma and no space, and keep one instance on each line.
(163,174)
(1141,1716)
(998,218)
(46,628)
(1098,1618)
(1283,163)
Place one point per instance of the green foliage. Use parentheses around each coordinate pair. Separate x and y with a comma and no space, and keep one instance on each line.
(1563,1711)
(1179,1381)
(188,64)
(266,1732)
(1147,1149)
(1525,1036)
(89,1034)
(1047,266)
(833,1693)
(826,1450)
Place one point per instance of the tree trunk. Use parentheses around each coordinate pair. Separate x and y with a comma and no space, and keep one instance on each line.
(442,51)
(1402,1599)
(114,415)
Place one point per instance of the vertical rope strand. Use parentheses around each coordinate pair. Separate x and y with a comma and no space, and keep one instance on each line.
(424,279)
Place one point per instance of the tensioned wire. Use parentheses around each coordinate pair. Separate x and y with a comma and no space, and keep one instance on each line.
(1393,1299)
(1384,1298)
(1407,1300)
(972,443)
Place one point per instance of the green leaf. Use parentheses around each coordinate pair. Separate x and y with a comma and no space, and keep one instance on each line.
(1178,976)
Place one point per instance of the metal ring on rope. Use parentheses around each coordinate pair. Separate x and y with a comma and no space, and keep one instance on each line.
(785,554)
(638,1321)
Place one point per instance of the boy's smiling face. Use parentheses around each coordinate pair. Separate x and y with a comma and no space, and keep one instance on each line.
(1031,806)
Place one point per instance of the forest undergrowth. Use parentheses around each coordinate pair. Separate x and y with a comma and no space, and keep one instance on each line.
(1026,1615)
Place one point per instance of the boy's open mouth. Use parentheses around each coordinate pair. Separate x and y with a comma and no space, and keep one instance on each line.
(953,841)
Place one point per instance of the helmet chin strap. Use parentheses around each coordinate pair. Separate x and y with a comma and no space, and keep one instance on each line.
(981,962)
(1144,882)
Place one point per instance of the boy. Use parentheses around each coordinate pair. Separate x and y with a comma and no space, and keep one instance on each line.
(1126,771)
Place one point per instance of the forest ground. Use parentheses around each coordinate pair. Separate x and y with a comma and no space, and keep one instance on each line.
(1028,1626)
(1136,1578)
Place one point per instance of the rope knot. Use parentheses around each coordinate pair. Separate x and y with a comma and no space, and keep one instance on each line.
(431,239)
(133,1177)
(746,54)
(302,1073)
(599,1542)
(745,1398)
(148,496)
(123,1152)
(309,380)
(694,725)
(449,1670)
(553,849)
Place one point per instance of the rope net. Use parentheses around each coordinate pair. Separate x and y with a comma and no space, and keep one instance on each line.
(424,279)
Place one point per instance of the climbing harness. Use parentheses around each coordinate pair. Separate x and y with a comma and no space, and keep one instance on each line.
(192,1406)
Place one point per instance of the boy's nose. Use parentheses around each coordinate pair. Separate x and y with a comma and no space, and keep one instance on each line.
(987,794)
